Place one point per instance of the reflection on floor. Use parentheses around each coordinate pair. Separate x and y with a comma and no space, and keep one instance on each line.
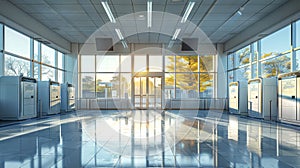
(149,139)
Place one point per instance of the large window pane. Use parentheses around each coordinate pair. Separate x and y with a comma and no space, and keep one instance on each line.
(230,60)
(48,55)
(254,70)
(255,50)
(16,66)
(298,60)
(155,63)
(207,63)
(187,85)
(87,63)
(298,34)
(243,56)
(48,73)
(125,63)
(107,63)
(16,43)
(243,74)
(87,85)
(169,63)
(125,85)
(230,77)
(36,70)
(206,85)
(140,63)
(36,50)
(276,66)
(60,76)
(276,43)
(60,59)
(107,85)
(186,64)
(169,85)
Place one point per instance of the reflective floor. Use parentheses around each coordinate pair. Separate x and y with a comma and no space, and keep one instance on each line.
(149,139)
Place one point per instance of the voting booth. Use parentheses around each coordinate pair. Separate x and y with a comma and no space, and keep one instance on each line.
(49,97)
(238,98)
(262,98)
(288,97)
(67,97)
(18,97)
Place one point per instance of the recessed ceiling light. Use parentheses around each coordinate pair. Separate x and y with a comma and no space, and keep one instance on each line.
(141,16)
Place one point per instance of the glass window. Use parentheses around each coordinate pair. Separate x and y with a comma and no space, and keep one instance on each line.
(48,55)
(140,63)
(87,85)
(243,74)
(206,85)
(276,43)
(230,61)
(87,63)
(125,85)
(60,59)
(16,43)
(186,64)
(254,70)
(207,63)
(169,63)
(169,85)
(230,77)
(60,76)
(298,33)
(155,63)
(48,73)
(125,63)
(255,50)
(298,59)
(36,70)
(1,37)
(275,66)
(36,50)
(243,56)
(16,66)
(187,85)
(107,85)
(107,63)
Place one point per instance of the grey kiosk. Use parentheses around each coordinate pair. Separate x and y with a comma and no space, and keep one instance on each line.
(262,98)
(67,97)
(238,98)
(18,97)
(49,97)
(288,97)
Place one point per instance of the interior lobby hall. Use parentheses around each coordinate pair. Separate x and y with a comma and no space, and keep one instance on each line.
(149,83)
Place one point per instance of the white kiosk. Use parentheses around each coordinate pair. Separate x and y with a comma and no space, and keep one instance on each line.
(18,98)
(67,97)
(288,97)
(49,97)
(262,98)
(238,98)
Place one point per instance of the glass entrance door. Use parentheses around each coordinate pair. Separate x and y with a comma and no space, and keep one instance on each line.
(147,92)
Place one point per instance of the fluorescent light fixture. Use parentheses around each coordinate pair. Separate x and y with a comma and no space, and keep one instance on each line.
(149,13)
(176,34)
(108,11)
(124,44)
(187,11)
(240,11)
(118,31)
(171,43)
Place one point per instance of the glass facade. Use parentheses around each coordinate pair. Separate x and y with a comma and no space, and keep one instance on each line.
(267,57)
(24,55)
(185,77)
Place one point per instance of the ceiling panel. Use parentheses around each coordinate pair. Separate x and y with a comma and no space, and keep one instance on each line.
(75,20)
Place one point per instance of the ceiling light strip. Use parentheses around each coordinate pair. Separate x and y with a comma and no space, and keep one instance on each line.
(187,11)
(124,44)
(118,31)
(176,34)
(149,13)
(108,11)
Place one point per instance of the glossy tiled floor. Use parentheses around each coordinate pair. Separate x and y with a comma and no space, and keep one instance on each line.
(149,139)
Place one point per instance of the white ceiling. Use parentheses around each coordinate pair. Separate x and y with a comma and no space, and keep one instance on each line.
(76,20)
